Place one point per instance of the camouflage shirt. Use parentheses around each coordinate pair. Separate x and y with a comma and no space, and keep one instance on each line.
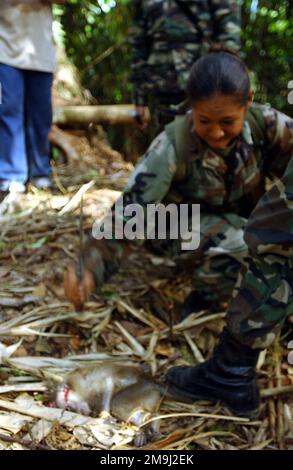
(220,183)
(212,178)
(168,36)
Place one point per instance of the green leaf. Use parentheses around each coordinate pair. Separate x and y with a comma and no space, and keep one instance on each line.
(55,153)
(39,243)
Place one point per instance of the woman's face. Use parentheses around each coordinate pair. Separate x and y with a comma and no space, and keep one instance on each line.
(219,119)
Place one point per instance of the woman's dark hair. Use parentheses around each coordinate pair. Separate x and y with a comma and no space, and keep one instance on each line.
(219,72)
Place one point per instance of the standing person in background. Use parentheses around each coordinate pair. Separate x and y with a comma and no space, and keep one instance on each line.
(27,63)
(167,37)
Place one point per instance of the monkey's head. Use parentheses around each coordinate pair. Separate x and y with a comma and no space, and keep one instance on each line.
(68,399)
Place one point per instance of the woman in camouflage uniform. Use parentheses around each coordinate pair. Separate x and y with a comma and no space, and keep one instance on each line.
(217,155)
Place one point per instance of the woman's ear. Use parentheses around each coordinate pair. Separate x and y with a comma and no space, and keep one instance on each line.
(249,100)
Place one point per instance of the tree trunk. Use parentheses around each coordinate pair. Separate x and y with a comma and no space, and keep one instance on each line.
(103,114)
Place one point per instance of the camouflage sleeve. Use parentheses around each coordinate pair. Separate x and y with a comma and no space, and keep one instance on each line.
(153,175)
(149,184)
(264,295)
(140,43)
(270,226)
(278,140)
(226,17)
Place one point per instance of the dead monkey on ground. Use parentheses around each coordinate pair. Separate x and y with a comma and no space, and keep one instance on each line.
(123,391)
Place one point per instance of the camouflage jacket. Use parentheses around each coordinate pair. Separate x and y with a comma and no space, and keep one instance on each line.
(220,183)
(167,38)
(210,178)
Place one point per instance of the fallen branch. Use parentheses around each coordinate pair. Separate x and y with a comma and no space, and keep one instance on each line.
(24,442)
(198,415)
(60,139)
(102,114)
(74,202)
(270,392)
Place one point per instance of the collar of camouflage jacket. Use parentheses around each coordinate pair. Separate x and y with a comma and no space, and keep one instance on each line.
(233,174)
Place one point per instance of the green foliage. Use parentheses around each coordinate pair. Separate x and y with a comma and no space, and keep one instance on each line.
(268,45)
(96,33)
(96,41)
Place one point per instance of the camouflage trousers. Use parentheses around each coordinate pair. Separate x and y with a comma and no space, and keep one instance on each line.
(247,262)
(262,300)
(263,296)
(215,264)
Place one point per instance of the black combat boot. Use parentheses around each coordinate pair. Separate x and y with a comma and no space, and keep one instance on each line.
(194,303)
(228,377)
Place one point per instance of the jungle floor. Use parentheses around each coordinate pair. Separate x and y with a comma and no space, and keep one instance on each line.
(42,337)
